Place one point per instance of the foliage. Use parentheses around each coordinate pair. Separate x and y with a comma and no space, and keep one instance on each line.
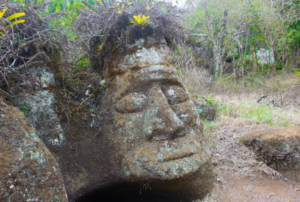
(10,18)
(61,33)
(24,108)
(250,23)
(140,19)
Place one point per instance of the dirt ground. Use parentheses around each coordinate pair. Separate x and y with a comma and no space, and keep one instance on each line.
(261,188)
(238,176)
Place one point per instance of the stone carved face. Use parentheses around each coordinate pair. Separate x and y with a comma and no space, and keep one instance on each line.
(154,127)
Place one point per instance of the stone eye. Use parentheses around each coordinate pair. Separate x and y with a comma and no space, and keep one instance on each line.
(131,103)
(175,94)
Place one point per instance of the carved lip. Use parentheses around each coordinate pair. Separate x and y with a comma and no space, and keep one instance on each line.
(178,156)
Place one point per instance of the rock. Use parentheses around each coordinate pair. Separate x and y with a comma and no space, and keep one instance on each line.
(150,134)
(209,112)
(149,131)
(152,126)
(28,171)
(278,148)
(38,103)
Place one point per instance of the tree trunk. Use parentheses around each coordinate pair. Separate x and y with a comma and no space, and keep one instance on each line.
(221,41)
(273,66)
(254,59)
(217,41)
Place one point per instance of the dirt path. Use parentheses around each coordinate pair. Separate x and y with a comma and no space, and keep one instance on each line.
(259,189)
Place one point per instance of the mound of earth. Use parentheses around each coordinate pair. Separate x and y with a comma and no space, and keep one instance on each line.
(278,148)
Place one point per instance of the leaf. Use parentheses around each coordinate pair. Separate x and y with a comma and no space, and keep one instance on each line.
(137,18)
(141,19)
(15,22)
(77,4)
(2,12)
(16,15)
(102,83)
(57,8)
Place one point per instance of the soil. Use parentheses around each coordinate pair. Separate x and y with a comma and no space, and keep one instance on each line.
(239,176)
(261,188)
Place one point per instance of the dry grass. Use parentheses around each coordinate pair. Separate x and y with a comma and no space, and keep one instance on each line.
(239,99)
(239,113)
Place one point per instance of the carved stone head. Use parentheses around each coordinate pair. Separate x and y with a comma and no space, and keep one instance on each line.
(152,126)
(150,133)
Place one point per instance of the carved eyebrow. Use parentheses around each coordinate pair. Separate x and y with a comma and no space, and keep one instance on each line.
(146,79)
(146,86)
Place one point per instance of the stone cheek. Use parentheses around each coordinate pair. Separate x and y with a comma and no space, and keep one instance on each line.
(187,113)
(127,134)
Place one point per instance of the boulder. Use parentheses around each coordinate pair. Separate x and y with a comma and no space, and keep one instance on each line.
(278,148)
(28,171)
(209,112)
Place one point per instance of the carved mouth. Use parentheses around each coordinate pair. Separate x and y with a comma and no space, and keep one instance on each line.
(178,156)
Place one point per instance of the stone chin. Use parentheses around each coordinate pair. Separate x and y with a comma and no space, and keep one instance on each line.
(168,160)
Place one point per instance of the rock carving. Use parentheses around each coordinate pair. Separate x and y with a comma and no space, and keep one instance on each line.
(155,127)
(150,132)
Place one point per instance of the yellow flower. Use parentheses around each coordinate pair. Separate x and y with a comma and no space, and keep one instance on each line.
(140,19)
(148,7)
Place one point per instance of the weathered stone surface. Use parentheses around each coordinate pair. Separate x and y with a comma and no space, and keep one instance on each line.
(278,148)
(152,125)
(28,171)
(39,102)
(155,124)
(209,112)
(150,131)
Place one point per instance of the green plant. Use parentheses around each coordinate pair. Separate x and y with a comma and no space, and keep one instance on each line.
(9,20)
(140,19)
(102,83)
(209,100)
(24,108)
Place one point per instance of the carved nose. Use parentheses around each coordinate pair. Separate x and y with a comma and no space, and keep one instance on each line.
(160,122)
